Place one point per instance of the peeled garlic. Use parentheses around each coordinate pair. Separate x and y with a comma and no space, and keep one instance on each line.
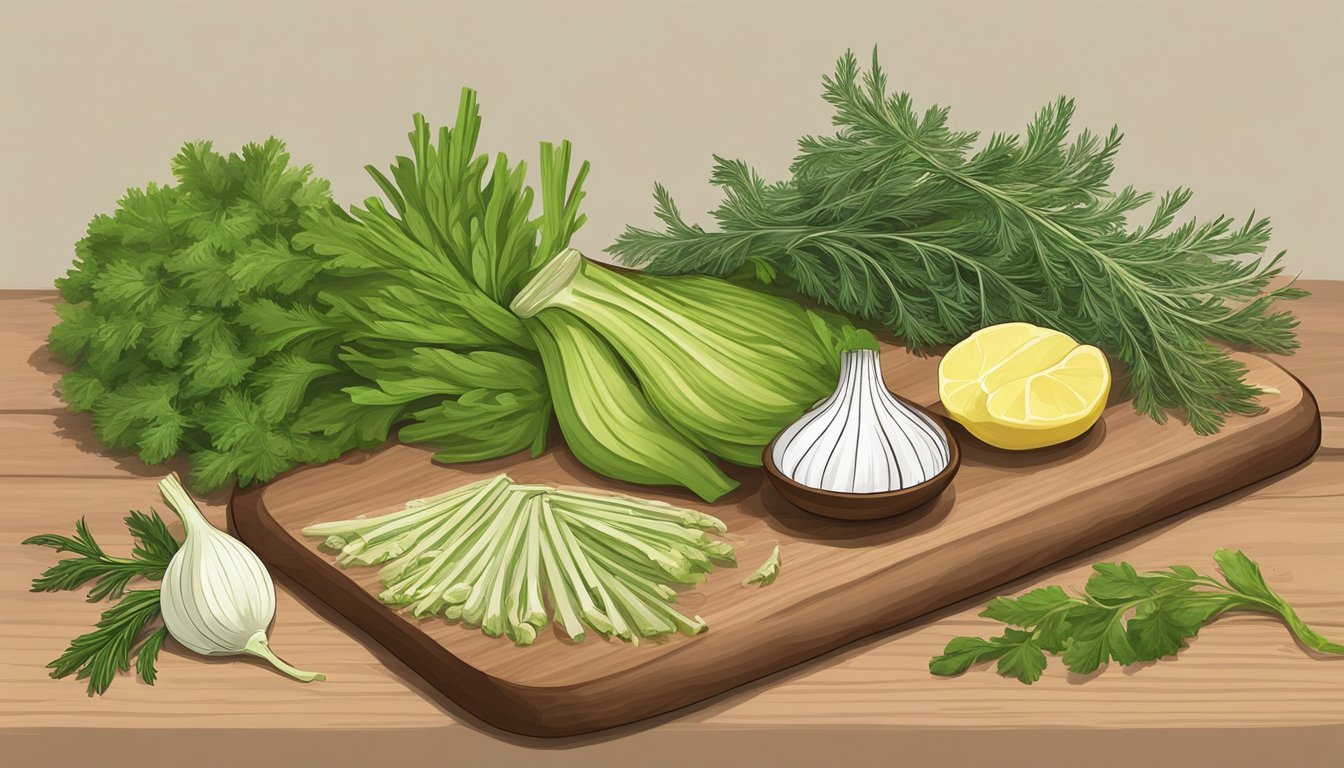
(861,439)
(217,598)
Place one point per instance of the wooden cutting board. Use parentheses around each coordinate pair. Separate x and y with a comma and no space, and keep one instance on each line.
(1005,515)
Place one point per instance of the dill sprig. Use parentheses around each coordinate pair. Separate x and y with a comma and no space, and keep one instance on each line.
(154,548)
(100,654)
(895,220)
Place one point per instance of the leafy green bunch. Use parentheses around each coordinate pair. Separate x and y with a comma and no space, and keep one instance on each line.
(124,629)
(156,313)
(423,290)
(242,318)
(897,219)
(1122,616)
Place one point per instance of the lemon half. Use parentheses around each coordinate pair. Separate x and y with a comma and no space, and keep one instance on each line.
(1018,386)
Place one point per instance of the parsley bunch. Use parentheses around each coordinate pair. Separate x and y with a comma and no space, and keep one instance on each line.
(155,321)
(897,220)
(122,631)
(1122,616)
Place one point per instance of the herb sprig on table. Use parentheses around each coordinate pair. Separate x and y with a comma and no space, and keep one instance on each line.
(896,220)
(1122,616)
(121,631)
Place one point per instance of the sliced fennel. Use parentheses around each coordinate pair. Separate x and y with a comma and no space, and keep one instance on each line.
(726,366)
(767,572)
(608,422)
(495,554)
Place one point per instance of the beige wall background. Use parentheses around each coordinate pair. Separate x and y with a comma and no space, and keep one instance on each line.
(1241,100)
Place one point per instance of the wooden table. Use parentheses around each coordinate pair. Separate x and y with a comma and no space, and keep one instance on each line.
(1243,694)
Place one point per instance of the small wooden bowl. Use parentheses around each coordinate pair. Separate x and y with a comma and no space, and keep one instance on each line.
(865,506)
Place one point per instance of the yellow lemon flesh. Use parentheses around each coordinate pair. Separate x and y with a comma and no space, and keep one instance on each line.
(1018,386)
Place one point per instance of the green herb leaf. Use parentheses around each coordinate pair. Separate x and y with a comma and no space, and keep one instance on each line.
(1023,659)
(148,653)
(285,382)
(154,548)
(1123,616)
(1119,582)
(1094,636)
(272,265)
(99,655)
(1029,609)
(1046,609)
(962,653)
(1162,629)
(1243,574)
(1017,651)
(154,543)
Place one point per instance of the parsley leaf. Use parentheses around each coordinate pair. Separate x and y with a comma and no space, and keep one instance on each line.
(1162,628)
(1244,575)
(1023,659)
(1018,653)
(1047,610)
(1123,616)
(962,653)
(1096,634)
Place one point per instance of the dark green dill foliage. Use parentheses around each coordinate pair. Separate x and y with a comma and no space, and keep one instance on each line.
(154,547)
(105,651)
(426,284)
(894,219)
(155,313)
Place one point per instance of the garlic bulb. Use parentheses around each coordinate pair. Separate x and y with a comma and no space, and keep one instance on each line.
(861,439)
(217,598)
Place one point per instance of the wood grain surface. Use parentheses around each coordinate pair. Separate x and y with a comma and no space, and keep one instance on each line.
(1243,694)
